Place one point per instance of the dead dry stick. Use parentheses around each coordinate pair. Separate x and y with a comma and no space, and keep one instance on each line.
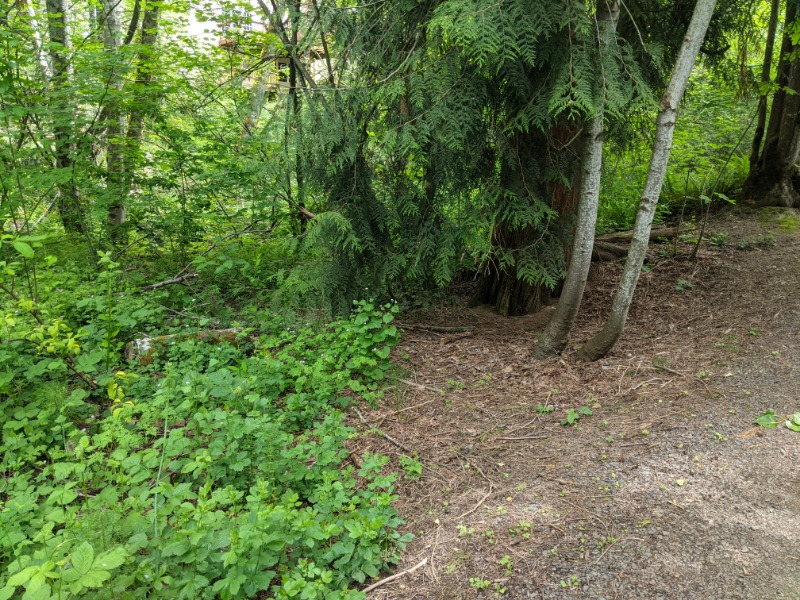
(397,412)
(174,280)
(668,370)
(391,578)
(435,328)
(477,506)
(385,436)
(419,386)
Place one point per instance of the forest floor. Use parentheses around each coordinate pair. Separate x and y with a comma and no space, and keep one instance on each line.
(667,490)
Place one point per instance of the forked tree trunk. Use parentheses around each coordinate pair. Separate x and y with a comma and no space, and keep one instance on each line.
(601,343)
(555,336)
(773,180)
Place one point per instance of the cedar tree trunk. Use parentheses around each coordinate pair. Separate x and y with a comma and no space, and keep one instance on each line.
(501,285)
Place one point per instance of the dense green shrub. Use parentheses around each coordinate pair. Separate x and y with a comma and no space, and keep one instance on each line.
(216,471)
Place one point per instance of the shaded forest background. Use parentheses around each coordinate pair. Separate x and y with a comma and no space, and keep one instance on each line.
(283,185)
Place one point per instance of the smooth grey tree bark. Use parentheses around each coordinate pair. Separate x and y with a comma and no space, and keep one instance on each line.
(603,341)
(555,336)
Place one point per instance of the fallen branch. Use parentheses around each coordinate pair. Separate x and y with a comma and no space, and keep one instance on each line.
(478,505)
(385,436)
(609,251)
(391,578)
(420,386)
(306,213)
(174,280)
(435,328)
(627,236)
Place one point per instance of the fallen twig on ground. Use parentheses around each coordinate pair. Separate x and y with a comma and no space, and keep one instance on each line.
(385,436)
(435,328)
(386,580)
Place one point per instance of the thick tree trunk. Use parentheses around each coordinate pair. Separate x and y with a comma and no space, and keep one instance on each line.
(773,179)
(601,343)
(68,200)
(503,285)
(766,74)
(555,336)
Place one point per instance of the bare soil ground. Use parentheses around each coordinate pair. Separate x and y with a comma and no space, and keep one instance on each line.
(667,490)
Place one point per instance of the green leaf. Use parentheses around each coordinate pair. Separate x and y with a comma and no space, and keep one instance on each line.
(40,593)
(794,422)
(112,559)
(768,419)
(7,592)
(23,576)
(23,249)
(83,558)
(94,578)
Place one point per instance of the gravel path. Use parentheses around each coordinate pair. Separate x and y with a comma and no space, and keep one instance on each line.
(667,491)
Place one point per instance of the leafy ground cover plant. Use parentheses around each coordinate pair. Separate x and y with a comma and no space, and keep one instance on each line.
(215,471)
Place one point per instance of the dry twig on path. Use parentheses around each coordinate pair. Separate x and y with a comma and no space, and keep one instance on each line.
(478,505)
(385,436)
(377,584)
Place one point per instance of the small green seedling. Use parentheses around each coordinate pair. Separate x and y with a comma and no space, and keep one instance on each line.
(571,583)
(412,466)
(573,416)
(506,562)
(478,583)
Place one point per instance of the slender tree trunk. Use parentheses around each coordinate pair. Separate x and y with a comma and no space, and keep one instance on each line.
(294,100)
(68,201)
(145,67)
(555,336)
(36,40)
(143,105)
(115,168)
(601,343)
(766,74)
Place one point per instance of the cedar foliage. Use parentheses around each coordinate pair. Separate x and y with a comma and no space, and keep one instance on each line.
(452,134)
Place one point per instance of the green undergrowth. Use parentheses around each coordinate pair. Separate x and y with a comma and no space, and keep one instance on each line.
(218,470)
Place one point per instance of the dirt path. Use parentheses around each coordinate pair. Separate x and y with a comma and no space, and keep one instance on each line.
(666,491)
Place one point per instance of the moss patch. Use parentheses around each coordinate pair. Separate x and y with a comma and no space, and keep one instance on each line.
(786,220)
